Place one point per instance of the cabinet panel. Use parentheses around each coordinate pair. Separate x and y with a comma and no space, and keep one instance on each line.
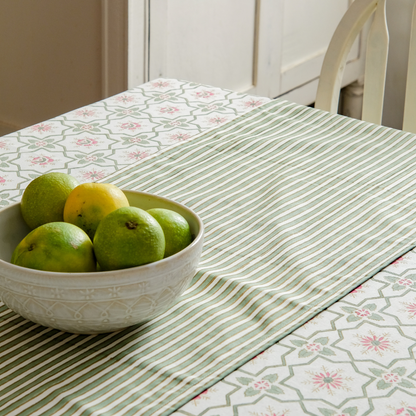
(264,47)
(204,41)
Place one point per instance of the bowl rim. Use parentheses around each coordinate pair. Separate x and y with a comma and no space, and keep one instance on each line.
(106,276)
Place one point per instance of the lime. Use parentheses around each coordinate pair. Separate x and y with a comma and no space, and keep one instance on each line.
(128,237)
(175,227)
(89,203)
(56,247)
(44,198)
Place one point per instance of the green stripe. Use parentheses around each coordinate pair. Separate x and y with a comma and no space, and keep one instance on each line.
(299,206)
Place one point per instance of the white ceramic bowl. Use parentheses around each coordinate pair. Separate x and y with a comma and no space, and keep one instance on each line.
(89,303)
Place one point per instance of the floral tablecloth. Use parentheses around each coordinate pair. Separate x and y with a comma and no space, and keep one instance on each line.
(96,140)
(356,358)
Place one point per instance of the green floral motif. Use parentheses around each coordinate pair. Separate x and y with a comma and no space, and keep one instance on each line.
(265,384)
(42,143)
(402,283)
(351,411)
(3,199)
(86,127)
(121,112)
(170,124)
(391,378)
(365,312)
(142,140)
(164,96)
(217,107)
(3,163)
(316,346)
(404,409)
(90,158)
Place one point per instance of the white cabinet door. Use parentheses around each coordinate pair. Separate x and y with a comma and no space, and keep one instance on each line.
(213,41)
(266,47)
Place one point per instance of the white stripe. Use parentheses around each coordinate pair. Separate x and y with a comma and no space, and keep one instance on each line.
(222,333)
(274,289)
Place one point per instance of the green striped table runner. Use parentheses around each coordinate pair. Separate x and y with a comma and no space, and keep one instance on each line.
(299,206)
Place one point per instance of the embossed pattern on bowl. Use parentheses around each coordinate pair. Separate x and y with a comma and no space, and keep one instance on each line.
(88,303)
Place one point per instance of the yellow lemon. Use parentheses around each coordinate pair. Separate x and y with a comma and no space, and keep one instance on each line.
(44,198)
(128,237)
(175,227)
(89,203)
(56,247)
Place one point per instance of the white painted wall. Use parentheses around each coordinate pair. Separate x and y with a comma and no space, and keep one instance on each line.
(50,58)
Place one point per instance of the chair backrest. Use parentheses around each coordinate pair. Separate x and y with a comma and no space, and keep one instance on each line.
(375,64)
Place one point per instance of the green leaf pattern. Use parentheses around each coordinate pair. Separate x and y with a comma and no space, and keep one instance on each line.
(264,384)
(317,346)
(390,378)
(360,313)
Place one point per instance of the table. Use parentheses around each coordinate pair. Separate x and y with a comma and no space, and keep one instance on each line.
(357,357)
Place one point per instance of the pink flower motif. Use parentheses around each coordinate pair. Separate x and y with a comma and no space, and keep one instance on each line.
(328,380)
(175,123)
(405,282)
(93,175)
(313,347)
(137,155)
(2,180)
(41,160)
(362,312)
(217,120)
(164,96)
(160,84)
(87,127)
(374,343)
(358,289)
(91,158)
(135,140)
(40,143)
(180,137)
(411,308)
(41,128)
(204,94)
(402,409)
(84,112)
(87,142)
(201,395)
(252,103)
(132,126)
(169,110)
(211,107)
(261,385)
(391,378)
(124,98)
(2,145)
(397,261)
(127,112)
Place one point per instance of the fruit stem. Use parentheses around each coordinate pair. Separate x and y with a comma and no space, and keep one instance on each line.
(131,225)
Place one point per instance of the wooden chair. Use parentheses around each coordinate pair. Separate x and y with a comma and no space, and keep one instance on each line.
(375,65)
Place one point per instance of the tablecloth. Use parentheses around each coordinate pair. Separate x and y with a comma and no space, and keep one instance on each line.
(269,387)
